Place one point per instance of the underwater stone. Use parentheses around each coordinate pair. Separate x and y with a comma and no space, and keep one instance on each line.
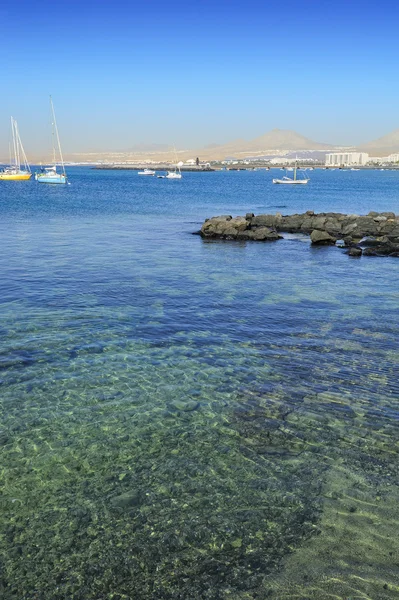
(126,500)
(188,406)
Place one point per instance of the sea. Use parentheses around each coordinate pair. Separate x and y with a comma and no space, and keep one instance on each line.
(195,419)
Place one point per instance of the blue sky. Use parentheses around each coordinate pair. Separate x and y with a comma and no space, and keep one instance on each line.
(193,73)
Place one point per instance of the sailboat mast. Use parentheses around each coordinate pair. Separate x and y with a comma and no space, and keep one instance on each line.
(21,151)
(295,167)
(55,128)
(18,144)
(14,141)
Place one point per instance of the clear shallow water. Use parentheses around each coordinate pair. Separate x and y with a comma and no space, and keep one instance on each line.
(190,419)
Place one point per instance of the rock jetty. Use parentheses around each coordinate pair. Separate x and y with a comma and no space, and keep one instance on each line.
(375,234)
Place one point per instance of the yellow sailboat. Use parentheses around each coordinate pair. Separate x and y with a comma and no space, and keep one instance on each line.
(15,172)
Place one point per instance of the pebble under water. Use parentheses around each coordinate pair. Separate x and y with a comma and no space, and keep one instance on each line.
(194,419)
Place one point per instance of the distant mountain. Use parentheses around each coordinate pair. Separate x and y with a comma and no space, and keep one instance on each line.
(285,139)
(272,142)
(387,144)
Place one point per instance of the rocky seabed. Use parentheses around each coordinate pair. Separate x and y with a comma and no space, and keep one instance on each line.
(375,234)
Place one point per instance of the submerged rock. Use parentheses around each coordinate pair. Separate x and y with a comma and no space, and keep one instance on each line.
(126,500)
(187,406)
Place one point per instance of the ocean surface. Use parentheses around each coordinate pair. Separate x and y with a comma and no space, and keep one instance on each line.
(189,419)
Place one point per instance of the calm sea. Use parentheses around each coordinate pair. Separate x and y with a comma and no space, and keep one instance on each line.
(189,419)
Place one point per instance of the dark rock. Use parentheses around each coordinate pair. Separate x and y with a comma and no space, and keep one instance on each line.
(261,234)
(348,228)
(321,237)
(264,221)
(377,230)
(369,242)
(369,252)
(355,252)
(223,226)
(291,223)
(367,225)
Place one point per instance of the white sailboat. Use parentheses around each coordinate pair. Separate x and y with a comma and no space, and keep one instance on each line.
(14,172)
(50,174)
(176,174)
(295,180)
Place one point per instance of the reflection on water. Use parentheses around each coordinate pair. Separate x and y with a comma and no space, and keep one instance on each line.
(189,419)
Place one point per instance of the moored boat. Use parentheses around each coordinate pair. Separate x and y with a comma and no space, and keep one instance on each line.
(173,174)
(50,174)
(294,181)
(176,174)
(149,172)
(16,172)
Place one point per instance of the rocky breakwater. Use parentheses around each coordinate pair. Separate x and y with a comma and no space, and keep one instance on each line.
(375,234)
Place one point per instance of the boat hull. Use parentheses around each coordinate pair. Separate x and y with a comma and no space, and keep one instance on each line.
(292,182)
(15,176)
(57,180)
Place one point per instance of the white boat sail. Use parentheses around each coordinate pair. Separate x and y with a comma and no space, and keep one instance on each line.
(50,174)
(176,174)
(16,172)
(293,181)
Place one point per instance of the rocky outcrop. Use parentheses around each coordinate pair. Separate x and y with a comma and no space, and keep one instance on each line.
(379,232)
(240,228)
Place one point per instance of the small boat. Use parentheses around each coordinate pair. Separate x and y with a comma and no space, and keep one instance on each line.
(149,172)
(176,174)
(294,181)
(14,172)
(355,169)
(50,174)
(173,174)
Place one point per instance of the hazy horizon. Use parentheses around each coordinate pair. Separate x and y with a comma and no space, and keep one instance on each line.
(197,75)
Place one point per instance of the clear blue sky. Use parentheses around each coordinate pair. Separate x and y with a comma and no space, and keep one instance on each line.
(193,73)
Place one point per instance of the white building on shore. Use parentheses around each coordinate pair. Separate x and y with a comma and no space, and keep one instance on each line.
(346,159)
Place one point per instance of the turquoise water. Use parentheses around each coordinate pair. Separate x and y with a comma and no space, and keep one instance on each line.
(188,419)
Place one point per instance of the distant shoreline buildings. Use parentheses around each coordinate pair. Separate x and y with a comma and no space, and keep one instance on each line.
(346,159)
(359,159)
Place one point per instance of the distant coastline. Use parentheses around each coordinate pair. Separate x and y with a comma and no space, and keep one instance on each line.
(237,167)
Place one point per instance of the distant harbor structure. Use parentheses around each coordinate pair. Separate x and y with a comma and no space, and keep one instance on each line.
(346,159)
